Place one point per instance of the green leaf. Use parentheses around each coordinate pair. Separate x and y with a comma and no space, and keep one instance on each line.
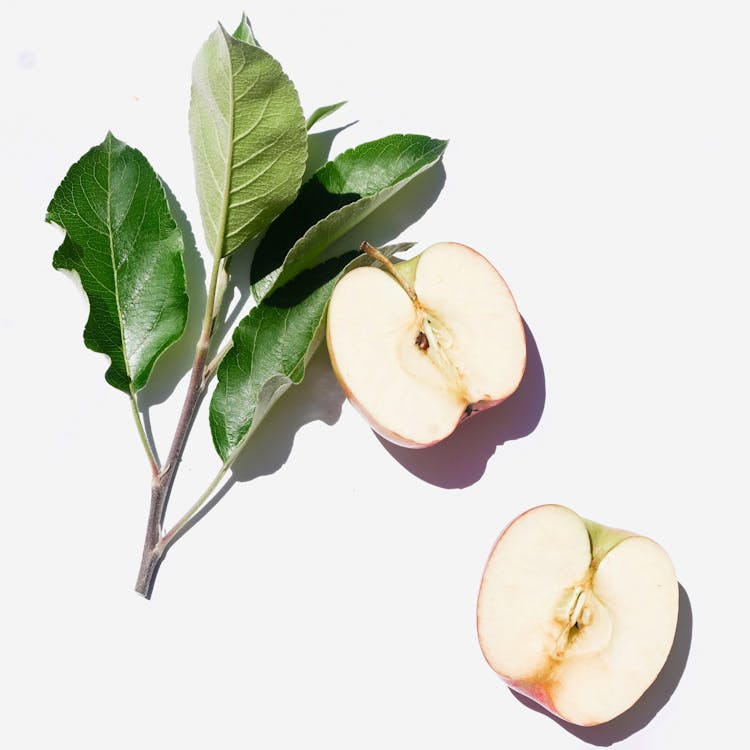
(322,112)
(271,348)
(244,32)
(249,140)
(338,196)
(122,241)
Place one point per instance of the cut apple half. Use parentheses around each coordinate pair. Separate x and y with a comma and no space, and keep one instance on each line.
(423,344)
(575,615)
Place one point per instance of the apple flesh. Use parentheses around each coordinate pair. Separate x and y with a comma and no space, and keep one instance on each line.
(575,615)
(423,344)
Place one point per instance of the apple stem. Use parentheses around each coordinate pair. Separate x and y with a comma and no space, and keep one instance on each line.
(366,247)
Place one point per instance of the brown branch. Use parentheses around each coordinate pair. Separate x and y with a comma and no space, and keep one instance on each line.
(162,484)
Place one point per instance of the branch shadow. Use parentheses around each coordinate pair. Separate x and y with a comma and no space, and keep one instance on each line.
(650,703)
(461,459)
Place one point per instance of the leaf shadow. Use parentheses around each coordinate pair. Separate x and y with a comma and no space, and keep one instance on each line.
(319,148)
(238,289)
(318,398)
(650,703)
(461,459)
(178,358)
(397,214)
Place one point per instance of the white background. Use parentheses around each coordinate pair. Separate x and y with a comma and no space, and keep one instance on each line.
(600,157)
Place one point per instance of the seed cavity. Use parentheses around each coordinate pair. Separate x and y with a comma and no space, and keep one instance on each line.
(585,616)
(576,616)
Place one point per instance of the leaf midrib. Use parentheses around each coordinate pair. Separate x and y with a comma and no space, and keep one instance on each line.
(110,233)
(219,249)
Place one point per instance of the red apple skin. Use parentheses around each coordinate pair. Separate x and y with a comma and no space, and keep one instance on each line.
(394,437)
(538,692)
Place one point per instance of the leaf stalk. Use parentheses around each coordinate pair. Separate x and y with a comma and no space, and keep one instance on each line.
(147,447)
(170,536)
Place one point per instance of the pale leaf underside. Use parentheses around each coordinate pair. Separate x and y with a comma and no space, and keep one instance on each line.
(249,140)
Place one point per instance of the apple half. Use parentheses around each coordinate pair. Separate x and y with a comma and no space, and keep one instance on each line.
(575,615)
(421,345)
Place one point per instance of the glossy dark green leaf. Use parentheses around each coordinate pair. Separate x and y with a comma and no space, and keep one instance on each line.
(338,196)
(248,136)
(123,243)
(271,348)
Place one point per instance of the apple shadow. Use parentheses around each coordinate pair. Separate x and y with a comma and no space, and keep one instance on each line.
(461,459)
(650,703)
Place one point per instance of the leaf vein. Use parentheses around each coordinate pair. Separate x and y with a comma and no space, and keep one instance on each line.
(247,132)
